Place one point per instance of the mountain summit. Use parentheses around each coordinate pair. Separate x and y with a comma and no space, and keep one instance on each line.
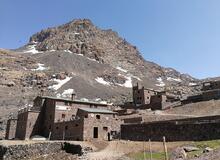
(81,37)
(78,56)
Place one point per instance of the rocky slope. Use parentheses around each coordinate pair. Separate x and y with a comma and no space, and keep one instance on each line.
(80,57)
(103,56)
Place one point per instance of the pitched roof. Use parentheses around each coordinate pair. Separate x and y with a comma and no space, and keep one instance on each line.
(96,110)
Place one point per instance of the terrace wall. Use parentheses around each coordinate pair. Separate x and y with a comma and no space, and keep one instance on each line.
(173,131)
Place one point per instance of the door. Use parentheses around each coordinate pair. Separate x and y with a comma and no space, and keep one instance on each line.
(95,132)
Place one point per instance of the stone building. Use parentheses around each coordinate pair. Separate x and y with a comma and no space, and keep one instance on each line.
(11,129)
(57,118)
(142,96)
(28,123)
(149,98)
(164,100)
(89,124)
(211,85)
(209,90)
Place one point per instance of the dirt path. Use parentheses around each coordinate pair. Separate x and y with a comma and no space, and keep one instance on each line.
(116,150)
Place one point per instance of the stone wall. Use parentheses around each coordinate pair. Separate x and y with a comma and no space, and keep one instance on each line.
(106,123)
(27,124)
(28,151)
(11,129)
(172,130)
(70,130)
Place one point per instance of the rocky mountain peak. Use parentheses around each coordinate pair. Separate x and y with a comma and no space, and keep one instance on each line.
(118,63)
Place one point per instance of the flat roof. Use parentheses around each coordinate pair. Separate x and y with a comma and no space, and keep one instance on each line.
(73,101)
(96,110)
(190,120)
(150,89)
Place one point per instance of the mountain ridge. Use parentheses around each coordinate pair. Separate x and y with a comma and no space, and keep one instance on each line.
(96,63)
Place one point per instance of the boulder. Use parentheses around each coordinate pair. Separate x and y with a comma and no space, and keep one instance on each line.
(207,149)
(190,148)
(179,153)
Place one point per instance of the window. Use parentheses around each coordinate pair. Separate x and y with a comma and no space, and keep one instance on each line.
(113,115)
(57,127)
(86,116)
(105,128)
(76,125)
(97,116)
(66,127)
(63,115)
(30,125)
(49,126)
(68,104)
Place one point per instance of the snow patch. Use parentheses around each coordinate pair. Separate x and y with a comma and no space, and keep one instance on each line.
(67,93)
(92,59)
(174,79)
(102,81)
(62,108)
(67,51)
(84,99)
(40,67)
(192,84)
(60,83)
(128,82)
(88,58)
(161,83)
(32,49)
(136,77)
(121,69)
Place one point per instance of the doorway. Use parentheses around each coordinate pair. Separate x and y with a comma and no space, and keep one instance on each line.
(95,132)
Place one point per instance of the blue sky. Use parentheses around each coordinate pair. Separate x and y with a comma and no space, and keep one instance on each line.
(183,34)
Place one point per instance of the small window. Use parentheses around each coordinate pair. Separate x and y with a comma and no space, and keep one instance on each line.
(49,126)
(66,127)
(97,116)
(57,127)
(113,115)
(29,124)
(68,104)
(63,115)
(76,125)
(86,116)
(105,128)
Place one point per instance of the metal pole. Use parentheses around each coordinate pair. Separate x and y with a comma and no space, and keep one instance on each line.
(144,150)
(151,157)
(63,135)
(49,136)
(165,148)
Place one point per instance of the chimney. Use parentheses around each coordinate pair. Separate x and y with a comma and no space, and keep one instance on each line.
(73,96)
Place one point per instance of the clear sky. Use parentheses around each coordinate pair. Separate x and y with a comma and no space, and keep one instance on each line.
(183,34)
